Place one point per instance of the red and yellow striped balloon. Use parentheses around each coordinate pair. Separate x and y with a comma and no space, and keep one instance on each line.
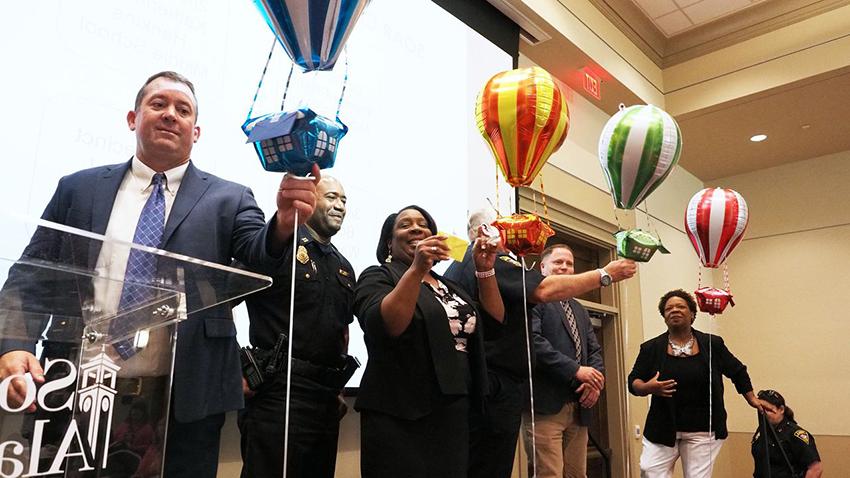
(524,119)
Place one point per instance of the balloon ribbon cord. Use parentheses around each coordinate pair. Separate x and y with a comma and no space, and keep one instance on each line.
(286,88)
(543,198)
(530,378)
(289,345)
(262,77)
(711,441)
(344,82)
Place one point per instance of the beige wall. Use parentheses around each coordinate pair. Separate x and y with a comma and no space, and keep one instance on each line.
(790,277)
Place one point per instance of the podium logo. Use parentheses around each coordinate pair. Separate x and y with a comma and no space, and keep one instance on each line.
(87,411)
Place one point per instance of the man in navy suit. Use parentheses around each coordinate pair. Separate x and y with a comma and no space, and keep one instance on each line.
(204,217)
(568,377)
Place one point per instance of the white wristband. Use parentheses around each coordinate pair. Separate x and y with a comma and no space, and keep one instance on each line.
(485,274)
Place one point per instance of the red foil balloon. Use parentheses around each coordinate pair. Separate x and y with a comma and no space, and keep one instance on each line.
(523,233)
(715,221)
(523,116)
(713,301)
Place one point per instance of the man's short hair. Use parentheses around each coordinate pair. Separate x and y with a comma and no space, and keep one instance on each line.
(549,250)
(169,75)
(476,219)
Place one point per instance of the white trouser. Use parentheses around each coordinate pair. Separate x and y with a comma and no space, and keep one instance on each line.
(697,449)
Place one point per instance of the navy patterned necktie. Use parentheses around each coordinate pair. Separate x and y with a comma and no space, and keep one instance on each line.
(141,267)
(572,326)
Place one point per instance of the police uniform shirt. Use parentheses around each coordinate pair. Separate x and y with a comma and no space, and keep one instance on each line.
(324,302)
(799,446)
(505,344)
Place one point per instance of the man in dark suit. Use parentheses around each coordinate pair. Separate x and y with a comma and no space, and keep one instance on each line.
(568,377)
(196,214)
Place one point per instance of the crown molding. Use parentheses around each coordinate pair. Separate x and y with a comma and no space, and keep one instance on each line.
(757,20)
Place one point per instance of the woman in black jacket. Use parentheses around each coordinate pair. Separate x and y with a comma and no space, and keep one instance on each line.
(686,416)
(426,356)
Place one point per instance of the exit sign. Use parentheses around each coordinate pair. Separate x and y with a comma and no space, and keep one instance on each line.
(592,84)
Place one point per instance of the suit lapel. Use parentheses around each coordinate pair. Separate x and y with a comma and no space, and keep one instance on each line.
(104,195)
(192,187)
(103,198)
(582,328)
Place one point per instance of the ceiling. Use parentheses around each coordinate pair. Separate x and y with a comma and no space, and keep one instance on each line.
(673,17)
(803,119)
(673,31)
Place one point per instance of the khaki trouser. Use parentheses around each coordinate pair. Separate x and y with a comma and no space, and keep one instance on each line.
(561,443)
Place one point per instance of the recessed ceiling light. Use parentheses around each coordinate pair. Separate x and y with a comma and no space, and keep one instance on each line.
(806,126)
(758,138)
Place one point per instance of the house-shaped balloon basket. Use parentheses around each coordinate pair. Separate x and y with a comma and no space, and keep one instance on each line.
(712,300)
(638,245)
(293,141)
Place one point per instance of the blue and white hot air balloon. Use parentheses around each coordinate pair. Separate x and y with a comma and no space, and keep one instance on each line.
(313,32)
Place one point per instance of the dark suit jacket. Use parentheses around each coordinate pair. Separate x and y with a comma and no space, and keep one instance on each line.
(555,354)
(211,219)
(661,420)
(406,376)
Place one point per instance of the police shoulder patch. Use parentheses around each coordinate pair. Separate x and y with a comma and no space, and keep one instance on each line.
(802,435)
(510,261)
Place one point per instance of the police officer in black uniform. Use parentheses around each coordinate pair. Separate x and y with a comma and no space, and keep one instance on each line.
(324,295)
(791,450)
(495,430)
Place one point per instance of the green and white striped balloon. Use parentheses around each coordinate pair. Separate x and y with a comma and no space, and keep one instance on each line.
(638,148)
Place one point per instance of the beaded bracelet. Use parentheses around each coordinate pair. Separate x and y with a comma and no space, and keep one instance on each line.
(485,274)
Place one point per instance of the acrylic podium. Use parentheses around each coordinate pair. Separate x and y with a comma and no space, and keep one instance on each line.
(101,409)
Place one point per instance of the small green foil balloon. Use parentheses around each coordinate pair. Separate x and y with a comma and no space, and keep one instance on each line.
(638,245)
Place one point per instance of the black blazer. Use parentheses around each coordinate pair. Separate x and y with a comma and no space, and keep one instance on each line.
(211,219)
(661,420)
(554,351)
(406,376)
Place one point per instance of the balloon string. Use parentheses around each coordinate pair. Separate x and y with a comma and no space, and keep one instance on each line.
(710,441)
(726,277)
(530,378)
(543,196)
(289,350)
(699,277)
(286,88)
(344,83)
(498,203)
(262,77)
(534,199)
(649,224)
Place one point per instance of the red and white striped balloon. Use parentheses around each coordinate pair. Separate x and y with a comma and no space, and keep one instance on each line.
(715,221)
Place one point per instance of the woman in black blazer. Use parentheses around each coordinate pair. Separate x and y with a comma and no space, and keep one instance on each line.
(426,355)
(674,369)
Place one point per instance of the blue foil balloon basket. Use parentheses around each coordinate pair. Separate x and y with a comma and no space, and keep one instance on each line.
(292,142)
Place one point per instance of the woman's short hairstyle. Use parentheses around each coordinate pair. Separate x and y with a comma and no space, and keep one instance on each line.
(383,250)
(692,304)
(777,400)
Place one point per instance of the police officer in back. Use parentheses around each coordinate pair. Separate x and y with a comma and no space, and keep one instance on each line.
(791,451)
(324,294)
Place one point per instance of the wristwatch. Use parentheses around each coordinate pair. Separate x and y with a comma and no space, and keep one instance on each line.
(604,278)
